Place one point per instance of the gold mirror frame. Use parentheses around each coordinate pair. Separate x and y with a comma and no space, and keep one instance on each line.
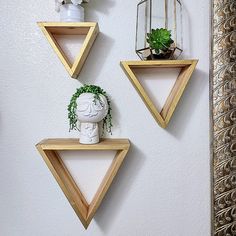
(223,117)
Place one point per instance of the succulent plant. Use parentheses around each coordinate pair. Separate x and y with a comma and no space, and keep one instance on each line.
(159,40)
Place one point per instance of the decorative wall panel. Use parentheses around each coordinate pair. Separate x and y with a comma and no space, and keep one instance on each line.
(223,104)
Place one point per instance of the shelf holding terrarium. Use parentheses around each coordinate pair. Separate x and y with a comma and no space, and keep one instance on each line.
(159,29)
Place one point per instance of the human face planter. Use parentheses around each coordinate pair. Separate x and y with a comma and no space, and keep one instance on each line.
(88,106)
(90,111)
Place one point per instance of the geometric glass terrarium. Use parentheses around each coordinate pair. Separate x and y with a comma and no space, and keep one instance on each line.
(166,17)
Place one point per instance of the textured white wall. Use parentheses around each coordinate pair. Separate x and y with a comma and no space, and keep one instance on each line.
(163,187)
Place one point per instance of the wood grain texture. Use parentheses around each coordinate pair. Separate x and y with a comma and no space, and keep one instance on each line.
(164,116)
(90,29)
(48,149)
(74,144)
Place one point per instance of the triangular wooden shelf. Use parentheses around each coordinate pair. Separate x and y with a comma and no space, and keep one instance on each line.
(187,68)
(48,149)
(90,29)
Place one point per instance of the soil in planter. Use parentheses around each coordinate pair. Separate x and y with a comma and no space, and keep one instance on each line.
(161,56)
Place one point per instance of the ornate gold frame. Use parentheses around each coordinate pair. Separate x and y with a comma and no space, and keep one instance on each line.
(223,117)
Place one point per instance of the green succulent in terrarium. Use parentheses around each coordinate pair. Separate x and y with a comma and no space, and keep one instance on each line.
(160,42)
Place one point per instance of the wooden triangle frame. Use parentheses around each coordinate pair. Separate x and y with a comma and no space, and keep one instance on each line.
(187,68)
(90,29)
(48,149)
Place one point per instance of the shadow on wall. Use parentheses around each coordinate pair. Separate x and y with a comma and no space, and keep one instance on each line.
(102,6)
(96,59)
(187,104)
(119,189)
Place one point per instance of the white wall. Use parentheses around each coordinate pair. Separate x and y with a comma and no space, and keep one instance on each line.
(163,187)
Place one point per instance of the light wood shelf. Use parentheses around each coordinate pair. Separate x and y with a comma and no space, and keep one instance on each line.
(187,67)
(49,148)
(90,29)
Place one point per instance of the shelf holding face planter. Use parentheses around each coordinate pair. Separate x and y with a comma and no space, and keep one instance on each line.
(52,29)
(88,106)
(187,67)
(49,150)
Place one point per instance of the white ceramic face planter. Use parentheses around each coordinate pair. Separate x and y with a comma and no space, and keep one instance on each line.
(90,112)
(70,11)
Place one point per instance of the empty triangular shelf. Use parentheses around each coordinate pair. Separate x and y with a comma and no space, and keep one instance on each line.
(90,29)
(49,148)
(187,67)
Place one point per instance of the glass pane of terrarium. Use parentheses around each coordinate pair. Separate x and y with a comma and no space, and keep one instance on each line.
(143,24)
(168,14)
(179,25)
(163,15)
(171,23)
(158,18)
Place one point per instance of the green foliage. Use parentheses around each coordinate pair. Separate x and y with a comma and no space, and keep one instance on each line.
(96,90)
(159,40)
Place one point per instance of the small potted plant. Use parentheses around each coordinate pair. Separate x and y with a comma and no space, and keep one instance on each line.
(88,106)
(161,44)
(71,10)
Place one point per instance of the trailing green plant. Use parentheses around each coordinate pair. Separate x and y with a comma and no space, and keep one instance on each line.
(96,90)
(160,40)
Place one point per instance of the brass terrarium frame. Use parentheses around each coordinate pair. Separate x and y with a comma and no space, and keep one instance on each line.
(223,117)
(148,27)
